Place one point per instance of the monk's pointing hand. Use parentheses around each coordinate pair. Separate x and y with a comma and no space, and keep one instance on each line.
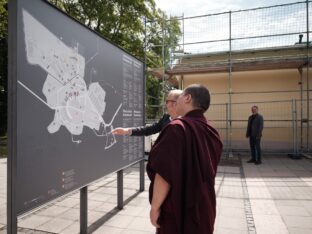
(154,215)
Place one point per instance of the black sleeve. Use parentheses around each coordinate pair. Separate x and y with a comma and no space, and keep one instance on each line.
(151,129)
(260,126)
(248,128)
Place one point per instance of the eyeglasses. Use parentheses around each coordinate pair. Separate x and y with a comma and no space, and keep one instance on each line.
(167,101)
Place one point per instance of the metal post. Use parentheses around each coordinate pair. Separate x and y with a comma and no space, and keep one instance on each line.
(230,83)
(296,128)
(227,128)
(182,82)
(145,71)
(84,210)
(294,114)
(308,85)
(163,59)
(120,189)
(12,120)
(183,30)
(142,175)
(301,108)
(295,154)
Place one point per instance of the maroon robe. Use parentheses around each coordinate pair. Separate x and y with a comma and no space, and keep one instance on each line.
(186,155)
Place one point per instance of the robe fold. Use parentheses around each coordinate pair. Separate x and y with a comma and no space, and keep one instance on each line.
(186,155)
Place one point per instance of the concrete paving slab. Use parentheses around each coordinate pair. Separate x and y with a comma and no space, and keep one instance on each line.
(299,231)
(33,222)
(298,221)
(269,224)
(235,223)
(68,202)
(55,225)
(263,207)
(107,229)
(93,216)
(71,214)
(132,210)
(220,230)
(72,229)
(274,197)
(292,211)
(231,202)
(238,212)
(105,207)
(120,221)
(52,211)
(141,224)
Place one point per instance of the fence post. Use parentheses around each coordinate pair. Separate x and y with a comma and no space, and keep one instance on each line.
(295,154)
(294,125)
(227,129)
(84,210)
(120,202)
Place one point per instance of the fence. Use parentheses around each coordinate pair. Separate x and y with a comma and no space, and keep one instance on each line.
(284,129)
(252,40)
(263,27)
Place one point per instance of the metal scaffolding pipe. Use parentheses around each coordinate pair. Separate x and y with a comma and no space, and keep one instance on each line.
(308,80)
(294,126)
(301,108)
(230,82)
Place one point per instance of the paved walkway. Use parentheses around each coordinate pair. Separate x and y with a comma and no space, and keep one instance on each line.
(274,197)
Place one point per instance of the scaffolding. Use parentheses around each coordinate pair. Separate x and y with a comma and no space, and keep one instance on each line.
(259,39)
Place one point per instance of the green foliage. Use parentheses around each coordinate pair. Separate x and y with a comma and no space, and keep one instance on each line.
(162,37)
(3,65)
(3,146)
(123,23)
(120,21)
(163,34)
(154,96)
(3,18)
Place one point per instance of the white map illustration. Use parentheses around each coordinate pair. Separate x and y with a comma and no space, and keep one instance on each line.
(76,105)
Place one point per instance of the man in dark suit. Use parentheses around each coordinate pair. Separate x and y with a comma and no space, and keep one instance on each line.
(147,130)
(254,132)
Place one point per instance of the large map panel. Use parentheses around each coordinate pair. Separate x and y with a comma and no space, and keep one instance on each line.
(73,88)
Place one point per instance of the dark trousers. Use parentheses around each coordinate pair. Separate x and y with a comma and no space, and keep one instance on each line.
(255,148)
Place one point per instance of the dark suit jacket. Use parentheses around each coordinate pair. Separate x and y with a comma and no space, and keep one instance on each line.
(255,129)
(153,128)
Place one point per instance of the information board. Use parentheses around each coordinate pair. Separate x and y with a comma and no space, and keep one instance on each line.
(73,87)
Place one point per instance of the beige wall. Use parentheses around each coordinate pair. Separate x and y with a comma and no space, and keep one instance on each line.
(251,81)
(276,107)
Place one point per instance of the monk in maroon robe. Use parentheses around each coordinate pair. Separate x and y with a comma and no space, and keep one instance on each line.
(182,167)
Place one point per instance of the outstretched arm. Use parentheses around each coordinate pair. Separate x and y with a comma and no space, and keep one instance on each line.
(160,192)
(121,131)
(151,129)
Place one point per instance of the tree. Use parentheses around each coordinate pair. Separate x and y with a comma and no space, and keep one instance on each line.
(3,65)
(122,22)
(119,21)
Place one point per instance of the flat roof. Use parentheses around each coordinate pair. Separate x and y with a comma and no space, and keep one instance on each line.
(286,57)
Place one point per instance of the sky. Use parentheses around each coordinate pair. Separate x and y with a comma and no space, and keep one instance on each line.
(200,32)
(202,7)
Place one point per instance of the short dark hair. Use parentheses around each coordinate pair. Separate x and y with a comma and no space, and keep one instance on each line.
(200,96)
